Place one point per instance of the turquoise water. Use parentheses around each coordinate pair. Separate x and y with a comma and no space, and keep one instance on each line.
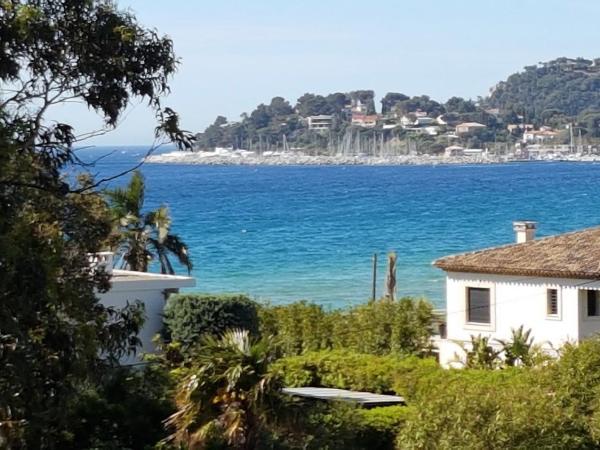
(289,233)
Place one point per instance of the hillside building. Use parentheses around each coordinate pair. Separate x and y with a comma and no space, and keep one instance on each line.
(320,122)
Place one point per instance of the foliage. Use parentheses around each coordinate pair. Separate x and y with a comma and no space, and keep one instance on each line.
(354,371)
(554,93)
(480,354)
(188,317)
(460,105)
(419,103)
(555,405)
(143,237)
(571,86)
(380,327)
(226,393)
(52,327)
(519,349)
(366,98)
(125,411)
(507,411)
(299,327)
(53,330)
(575,379)
(390,100)
(344,427)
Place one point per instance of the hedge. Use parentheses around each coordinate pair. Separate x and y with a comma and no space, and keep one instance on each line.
(381,327)
(189,316)
(355,371)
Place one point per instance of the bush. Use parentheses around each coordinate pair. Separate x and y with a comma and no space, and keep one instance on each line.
(342,426)
(355,371)
(299,327)
(388,327)
(189,316)
(382,327)
(384,422)
(125,411)
(481,409)
(575,381)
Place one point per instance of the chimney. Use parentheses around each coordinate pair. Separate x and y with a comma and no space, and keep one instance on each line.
(524,230)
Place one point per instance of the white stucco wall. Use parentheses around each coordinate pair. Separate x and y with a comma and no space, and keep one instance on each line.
(518,301)
(150,290)
(154,301)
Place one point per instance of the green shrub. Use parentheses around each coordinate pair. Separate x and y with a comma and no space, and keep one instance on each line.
(386,419)
(419,383)
(482,409)
(189,316)
(574,380)
(381,327)
(126,410)
(341,426)
(299,327)
(349,370)
(388,327)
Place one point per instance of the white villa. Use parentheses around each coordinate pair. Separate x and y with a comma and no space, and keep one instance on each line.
(152,289)
(320,122)
(469,127)
(549,285)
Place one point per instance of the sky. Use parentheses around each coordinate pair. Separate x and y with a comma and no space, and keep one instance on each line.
(237,54)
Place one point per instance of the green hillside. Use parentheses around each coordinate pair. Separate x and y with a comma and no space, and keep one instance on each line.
(563,88)
(553,94)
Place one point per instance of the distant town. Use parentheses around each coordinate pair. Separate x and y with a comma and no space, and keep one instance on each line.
(540,113)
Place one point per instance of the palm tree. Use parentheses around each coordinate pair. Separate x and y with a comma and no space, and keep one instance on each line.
(143,237)
(227,393)
(519,350)
(480,354)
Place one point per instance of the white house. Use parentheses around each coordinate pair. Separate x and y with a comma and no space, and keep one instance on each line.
(320,122)
(469,127)
(453,150)
(152,289)
(364,120)
(540,136)
(548,285)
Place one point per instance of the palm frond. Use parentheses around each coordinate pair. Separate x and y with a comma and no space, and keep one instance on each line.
(144,237)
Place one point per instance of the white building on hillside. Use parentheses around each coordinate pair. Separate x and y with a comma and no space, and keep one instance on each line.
(364,120)
(541,136)
(469,127)
(152,289)
(321,122)
(548,285)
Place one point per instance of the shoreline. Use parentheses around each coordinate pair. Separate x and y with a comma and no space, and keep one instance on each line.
(241,158)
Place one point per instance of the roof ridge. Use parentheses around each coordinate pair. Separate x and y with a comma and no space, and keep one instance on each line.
(515,244)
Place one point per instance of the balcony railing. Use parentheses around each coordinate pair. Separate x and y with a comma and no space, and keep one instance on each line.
(101,260)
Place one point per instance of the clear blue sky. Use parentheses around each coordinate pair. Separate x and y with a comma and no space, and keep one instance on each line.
(236,54)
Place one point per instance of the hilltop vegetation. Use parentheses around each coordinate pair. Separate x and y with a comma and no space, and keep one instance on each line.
(551,94)
(567,87)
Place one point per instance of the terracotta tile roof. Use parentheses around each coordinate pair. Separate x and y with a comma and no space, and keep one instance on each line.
(569,255)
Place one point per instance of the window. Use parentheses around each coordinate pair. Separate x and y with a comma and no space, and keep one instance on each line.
(478,305)
(593,309)
(552,302)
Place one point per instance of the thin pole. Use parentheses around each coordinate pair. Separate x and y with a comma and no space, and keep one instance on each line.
(374,286)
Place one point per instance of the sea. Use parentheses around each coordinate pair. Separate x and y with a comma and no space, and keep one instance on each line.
(287,233)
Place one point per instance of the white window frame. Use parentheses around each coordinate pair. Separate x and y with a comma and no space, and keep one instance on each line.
(477,326)
(558,315)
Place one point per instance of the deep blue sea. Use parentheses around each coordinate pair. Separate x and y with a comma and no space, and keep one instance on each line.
(288,233)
